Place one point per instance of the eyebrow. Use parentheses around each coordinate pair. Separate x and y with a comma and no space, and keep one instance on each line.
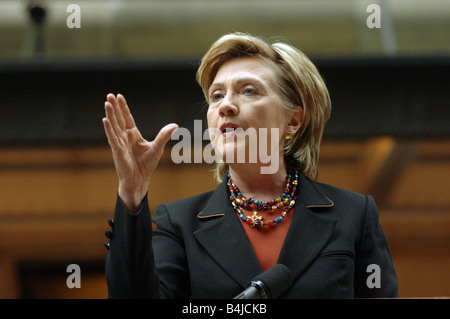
(239,81)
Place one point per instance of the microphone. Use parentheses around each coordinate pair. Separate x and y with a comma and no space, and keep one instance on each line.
(270,284)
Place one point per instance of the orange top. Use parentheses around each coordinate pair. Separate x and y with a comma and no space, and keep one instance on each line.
(267,243)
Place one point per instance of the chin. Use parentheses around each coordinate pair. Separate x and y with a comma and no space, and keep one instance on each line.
(232,153)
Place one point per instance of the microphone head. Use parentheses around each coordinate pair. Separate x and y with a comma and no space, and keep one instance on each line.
(275,280)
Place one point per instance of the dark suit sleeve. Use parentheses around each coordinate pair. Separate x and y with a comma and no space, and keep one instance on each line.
(373,249)
(170,256)
(130,267)
(142,262)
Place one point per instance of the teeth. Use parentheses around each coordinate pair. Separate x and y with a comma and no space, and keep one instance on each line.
(228,129)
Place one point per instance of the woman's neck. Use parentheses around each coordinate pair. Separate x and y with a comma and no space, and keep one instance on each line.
(252,183)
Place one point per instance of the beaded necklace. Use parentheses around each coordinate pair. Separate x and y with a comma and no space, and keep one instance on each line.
(285,202)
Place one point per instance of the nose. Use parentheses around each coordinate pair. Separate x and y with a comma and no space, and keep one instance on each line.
(228,106)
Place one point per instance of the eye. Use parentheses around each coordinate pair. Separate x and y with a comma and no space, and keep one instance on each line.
(216,96)
(249,91)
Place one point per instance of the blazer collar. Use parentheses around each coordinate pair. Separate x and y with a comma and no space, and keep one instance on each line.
(225,240)
(309,195)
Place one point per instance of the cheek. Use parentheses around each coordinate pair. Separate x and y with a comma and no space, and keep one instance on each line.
(268,116)
(211,119)
(212,122)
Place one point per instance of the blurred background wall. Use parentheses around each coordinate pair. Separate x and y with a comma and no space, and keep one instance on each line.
(388,134)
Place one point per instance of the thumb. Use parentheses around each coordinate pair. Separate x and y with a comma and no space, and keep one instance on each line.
(164,135)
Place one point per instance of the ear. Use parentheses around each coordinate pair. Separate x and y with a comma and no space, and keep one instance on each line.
(294,120)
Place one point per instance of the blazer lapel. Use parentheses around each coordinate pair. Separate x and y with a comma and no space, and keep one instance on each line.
(308,232)
(224,239)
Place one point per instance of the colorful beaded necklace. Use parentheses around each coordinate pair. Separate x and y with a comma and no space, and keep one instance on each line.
(286,202)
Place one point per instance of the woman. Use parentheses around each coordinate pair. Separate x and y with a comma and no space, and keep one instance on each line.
(213,244)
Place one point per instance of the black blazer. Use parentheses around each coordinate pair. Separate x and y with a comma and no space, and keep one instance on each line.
(200,250)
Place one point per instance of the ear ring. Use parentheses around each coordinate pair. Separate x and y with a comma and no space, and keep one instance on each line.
(288,135)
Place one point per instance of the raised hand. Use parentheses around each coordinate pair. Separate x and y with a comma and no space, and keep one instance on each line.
(134,157)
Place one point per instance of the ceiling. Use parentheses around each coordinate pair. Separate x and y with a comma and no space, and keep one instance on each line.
(154,28)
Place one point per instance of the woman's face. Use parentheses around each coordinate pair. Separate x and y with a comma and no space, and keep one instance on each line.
(244,96)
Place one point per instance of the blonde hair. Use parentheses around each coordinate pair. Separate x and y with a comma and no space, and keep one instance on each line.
(299,82)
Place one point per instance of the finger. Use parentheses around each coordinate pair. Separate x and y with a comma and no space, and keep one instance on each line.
(117,110)
(128,118)
(111,116)
(110,134)
(164,135)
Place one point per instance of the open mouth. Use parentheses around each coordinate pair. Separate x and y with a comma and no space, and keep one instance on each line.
(229,129)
